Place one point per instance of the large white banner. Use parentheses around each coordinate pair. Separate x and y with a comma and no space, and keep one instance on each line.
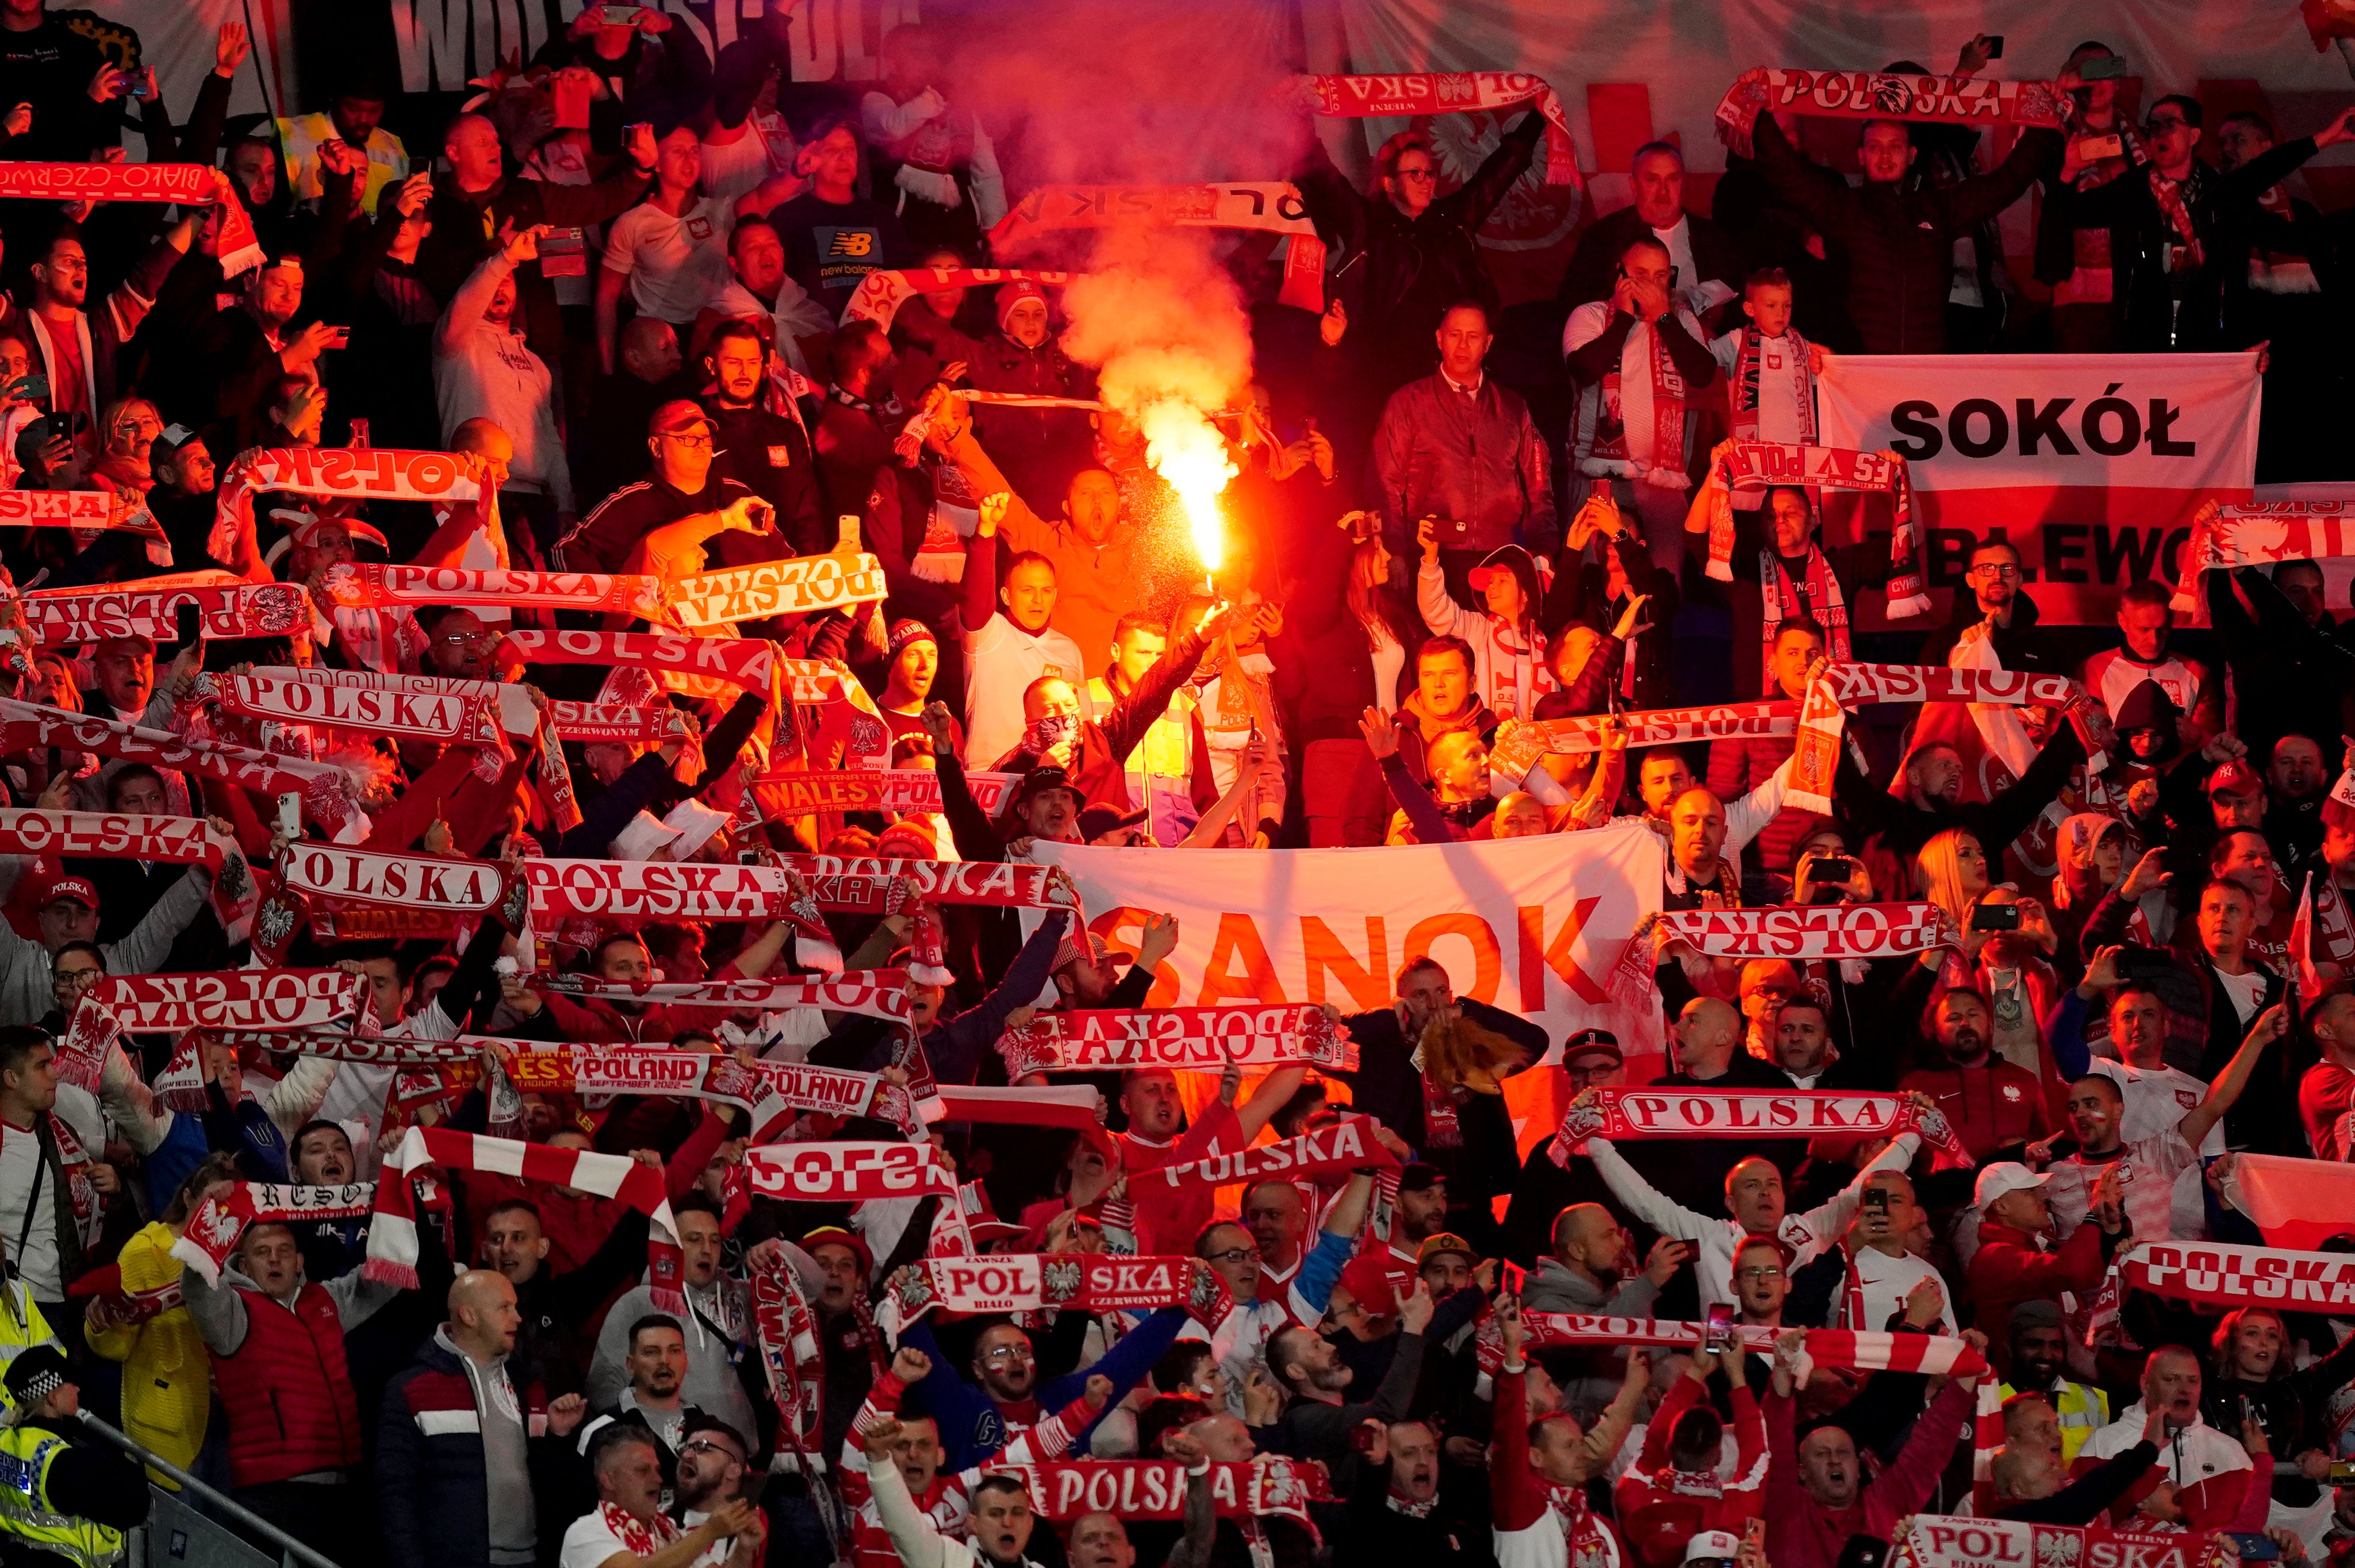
(1532,925)
(2091,465)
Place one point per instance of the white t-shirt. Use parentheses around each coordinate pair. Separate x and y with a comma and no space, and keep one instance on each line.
(732,168)
(2150,1171)
(2157,1098)
(673,264)
(20,1166)
(2246,990)
(589,1542)
(1636,371)
(1001,661)
(1887,1281)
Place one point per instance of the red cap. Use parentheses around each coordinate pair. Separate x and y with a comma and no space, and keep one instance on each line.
(75,887)
(2234,778)
(677,417)
(835,1235)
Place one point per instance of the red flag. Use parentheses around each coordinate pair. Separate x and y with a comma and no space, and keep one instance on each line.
(2298,1204)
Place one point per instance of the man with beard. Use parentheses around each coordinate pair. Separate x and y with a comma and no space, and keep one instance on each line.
(1593,1267)
(1375,1278)
(1804,1051)
(2296,783)
(2152,1165)
(1317,1420)
(712,1459)
(553,1304)
(1993,1106)
(1539,1462)
(1476,1155)
(628,1528)
(1933,801)
(2039,1341)
(657,1363)
(1265,1308)
(717,1327)
(847,1338)
(765,451)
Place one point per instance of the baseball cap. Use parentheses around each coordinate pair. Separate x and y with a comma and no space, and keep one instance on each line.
(677,417)
(1713,1546)
(1592,1043)
(1041,780)
(2234,778)
(1432,1246)
(78,888)
(1501,559)
(2004,1176)
(1420,1178)
(1097,821)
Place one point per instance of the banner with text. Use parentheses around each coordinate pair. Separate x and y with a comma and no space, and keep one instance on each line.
(2093,467)
(1531,925)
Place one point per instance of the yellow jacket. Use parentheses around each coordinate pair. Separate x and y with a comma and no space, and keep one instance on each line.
(166,1376)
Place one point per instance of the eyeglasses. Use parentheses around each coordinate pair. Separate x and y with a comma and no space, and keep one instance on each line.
(1417,174)
(1233,1254)
(478,636)
(705,1446)
(1008,1353)
(689,440)
(1758,1273)
(2159,127)
(1995,570)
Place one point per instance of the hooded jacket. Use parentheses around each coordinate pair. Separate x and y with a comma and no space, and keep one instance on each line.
(433,1465)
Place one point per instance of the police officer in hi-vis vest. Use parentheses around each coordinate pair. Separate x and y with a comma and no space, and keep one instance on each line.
(64,1499)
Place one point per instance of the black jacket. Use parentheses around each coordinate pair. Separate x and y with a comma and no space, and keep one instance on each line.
(1900,239)
(1594,265)
(1387,1087)
(768,454)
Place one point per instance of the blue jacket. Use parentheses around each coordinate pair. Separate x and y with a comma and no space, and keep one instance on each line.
(971,1427)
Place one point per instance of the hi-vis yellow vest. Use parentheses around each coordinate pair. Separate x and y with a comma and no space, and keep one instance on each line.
(26,1455)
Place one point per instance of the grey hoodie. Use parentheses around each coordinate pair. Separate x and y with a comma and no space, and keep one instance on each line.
(507,1455)
(1552,1287)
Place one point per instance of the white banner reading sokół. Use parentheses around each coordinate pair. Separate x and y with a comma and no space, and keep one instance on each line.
(2091,467)
(1531,925)
(848,1172)
(1200,1039)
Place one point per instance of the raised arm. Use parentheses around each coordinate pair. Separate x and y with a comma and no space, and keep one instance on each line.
(2270,1025)
(1663,1215)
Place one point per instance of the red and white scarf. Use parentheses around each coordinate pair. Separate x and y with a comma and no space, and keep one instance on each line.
(2169,196)
(1423,93)
(260,1000)
(112,835)
(878,993)
(1156,1488)
(786,1330)
(392,1235)
(797,587)
(848,1172)
(880,294)
(213,1230)
(357,473)
(373,705)
(325,789)
(1751,365)
(640,1538)
(1264,207)
(902,791)
(1823,719)
(1934,1355)
(190,186)
(1956,1541)
(1199,1039)
(1077,1282)
(1882,95)
(450,885)
(1818,931)
(62,616)
(2266,533)
(865,884)
(1601,440)
(89,513)
(1760,466)
(2223,1274)
(370,586)
(1346,1146)
(1753,1115)
(837,1091)
(743,662)
(1521,742)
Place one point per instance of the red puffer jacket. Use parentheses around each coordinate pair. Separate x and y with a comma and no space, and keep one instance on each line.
(288,1394)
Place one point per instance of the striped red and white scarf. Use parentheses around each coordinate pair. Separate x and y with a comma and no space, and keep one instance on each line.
(1199,1039)
(1863,1349)
(214,1228)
